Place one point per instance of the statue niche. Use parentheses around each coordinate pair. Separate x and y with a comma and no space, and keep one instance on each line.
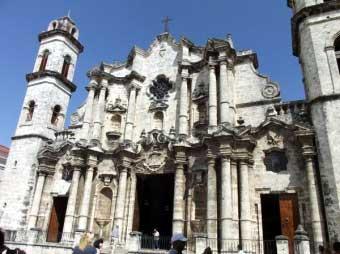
(103,212)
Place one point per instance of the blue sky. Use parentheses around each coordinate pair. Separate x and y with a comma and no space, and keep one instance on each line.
(110,28)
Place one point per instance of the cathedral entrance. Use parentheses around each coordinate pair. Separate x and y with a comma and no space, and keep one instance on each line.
(55,227)
(280,216)
(154,206)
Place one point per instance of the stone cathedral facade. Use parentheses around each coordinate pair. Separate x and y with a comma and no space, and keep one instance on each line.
(180,137)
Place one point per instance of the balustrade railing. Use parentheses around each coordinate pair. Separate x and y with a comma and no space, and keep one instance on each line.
(37,236)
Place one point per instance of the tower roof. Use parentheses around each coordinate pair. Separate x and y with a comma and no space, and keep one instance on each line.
(63,26)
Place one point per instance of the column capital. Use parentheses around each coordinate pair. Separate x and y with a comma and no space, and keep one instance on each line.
(134,85)
(185,73)
(244,161)
(42,172)
(223,60)
(104,83)
(212,66)
(77,162)
(211,159)
(92,161)
(92,85)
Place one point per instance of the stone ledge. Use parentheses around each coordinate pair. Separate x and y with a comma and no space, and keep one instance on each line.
(48,73)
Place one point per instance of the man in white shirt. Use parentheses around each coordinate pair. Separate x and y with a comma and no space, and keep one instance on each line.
(156,238)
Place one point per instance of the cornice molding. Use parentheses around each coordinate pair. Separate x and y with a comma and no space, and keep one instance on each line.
(48,73)
(133,75)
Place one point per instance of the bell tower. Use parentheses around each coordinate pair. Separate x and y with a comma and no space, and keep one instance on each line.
(49,89)
(316,42)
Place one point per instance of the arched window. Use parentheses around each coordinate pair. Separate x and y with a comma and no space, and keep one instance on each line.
(337,51)
(55,114)
(44,60)
(116,123)
(66,66)
(73,31)
(54,25)
(31,106)
(158,121)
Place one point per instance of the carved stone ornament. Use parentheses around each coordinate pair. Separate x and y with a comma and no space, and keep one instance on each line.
(160,87)
(116,107)
(158,105)
(153,162)
(270,91)
(274,139)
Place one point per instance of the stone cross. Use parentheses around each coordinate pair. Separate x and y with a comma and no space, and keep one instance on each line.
(166,21)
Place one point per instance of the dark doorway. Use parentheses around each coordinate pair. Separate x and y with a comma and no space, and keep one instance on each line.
(55,228)
(279,217)
(155,204)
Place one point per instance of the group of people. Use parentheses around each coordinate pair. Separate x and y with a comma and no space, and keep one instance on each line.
(87,246)
(4,249)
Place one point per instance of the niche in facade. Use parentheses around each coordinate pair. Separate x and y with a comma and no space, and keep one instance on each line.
(275,160)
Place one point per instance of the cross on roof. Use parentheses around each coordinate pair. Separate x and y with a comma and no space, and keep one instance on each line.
(166,21)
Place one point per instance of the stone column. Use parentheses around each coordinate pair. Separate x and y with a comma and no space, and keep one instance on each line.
(36,200)
(132,199)
(93,210)
(183,105)
(179,204)
(120,203)
(231,82)
(71,203)
(224,93)
(88,110)
(98,116)
(226,201)
(211,199)
(234,190)
(245,202)
(85,203)
(313,202)
(130,114)
(189,209)
(212,97)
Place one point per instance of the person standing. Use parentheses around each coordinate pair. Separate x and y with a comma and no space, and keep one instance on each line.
(98,244)
(115,236)
(84,246)
(178,242)
(156,238)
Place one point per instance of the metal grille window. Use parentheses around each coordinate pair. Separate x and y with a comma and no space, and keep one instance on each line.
(275,161)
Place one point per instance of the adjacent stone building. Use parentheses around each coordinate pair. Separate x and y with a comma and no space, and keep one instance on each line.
(3,158)
(180,137)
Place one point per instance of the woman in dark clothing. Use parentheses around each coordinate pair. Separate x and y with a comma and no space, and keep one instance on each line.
(98,244)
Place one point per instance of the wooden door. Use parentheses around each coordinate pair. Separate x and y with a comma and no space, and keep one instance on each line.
(53,228)
(289,217)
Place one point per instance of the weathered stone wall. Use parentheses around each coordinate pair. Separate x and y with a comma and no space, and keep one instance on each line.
(317,35)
